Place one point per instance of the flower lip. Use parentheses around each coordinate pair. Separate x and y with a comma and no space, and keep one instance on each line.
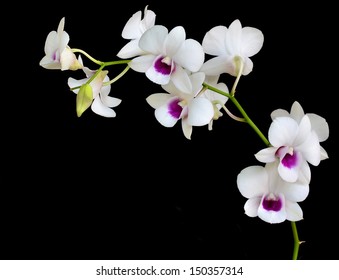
(174,108)
(290,160)
(272,202)
(163,65)
(289,157)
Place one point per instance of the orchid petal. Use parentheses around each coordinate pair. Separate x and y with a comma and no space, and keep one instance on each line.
(110,101)
(99,108)
(293,211)
(279,113)
(152,40)
(186,128)
(181,80)
(131,29)
(175,38)
(295,192)
(289,174)
(158,99)
(323,153)
(320,126)
(214,41)
(251,206)
(233,38)
(190,55)
(282,131)
(131,49)
(248,67)
(252,41)
(217,65)
(266,155)
(201,112)
(297,111)
(252,181)
(303,131)
(310,149)
(304,173)
(148,20)
(142,63)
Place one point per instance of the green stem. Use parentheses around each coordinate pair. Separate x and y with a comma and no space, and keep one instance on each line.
(242,111)
(118,76)
(296,241)
(123,61)
(96,74)
(88,56)
(102,66)
(249,121)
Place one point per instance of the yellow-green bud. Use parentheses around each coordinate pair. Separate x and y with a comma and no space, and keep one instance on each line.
(84,99)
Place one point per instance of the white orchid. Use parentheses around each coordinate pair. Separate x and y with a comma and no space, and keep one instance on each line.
(58,55)
(318,123)
(167,56)
(232,48)
(133,30)
(295,145)
(270,197)
(193,110)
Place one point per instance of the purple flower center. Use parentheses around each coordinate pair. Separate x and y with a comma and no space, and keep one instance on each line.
(272,203)
(174,109)
(163,65)
(289,160)
(289,157)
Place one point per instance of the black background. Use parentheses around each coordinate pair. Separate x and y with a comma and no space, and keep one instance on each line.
(128,188)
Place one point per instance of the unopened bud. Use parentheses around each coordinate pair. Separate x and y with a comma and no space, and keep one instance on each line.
(84,99)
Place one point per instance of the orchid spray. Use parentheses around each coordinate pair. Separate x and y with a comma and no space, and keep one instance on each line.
(192,93)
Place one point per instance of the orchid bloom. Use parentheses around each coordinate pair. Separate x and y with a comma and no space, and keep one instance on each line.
(318,123)
(58,54)
(295,145)
(101,103)
(167,56)
(232,48)
(192,109)
(268,196)
(133,30)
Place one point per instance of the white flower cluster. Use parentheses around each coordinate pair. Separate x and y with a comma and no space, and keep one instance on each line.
(169,59)
(193,94)
(274,191)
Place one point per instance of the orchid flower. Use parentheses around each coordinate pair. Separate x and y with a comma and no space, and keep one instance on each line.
(167,56)
(270,197)
(58,54)
(295,145)
(232,48)
(318,123)
(133,30)
(192,109)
